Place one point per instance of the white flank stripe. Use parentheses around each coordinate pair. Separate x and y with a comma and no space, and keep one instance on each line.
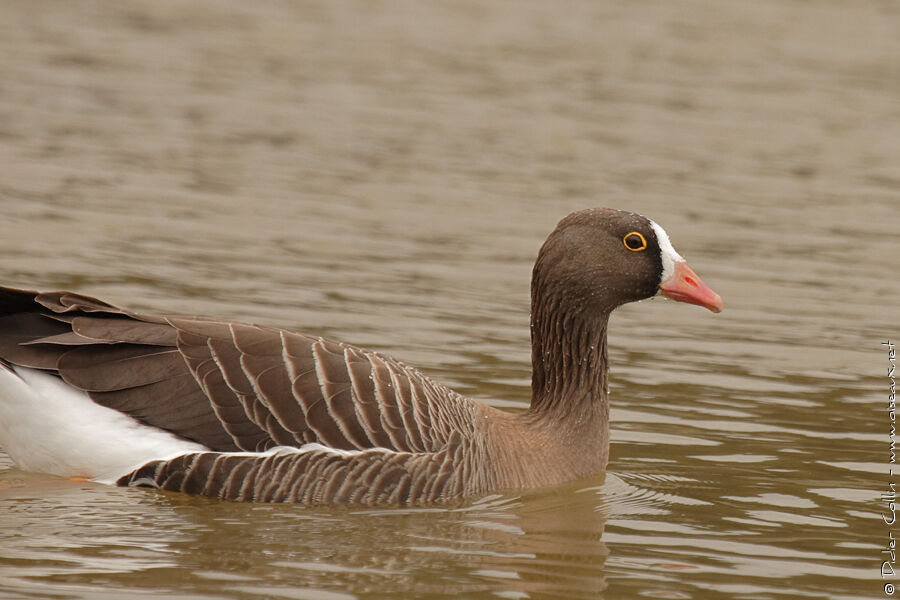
(312,447)
(316,447)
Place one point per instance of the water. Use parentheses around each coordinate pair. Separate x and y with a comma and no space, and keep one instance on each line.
(384,175)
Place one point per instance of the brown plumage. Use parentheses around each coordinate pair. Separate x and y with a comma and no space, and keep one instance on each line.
(288,417)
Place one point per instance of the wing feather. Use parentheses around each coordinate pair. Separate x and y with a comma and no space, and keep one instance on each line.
(230,386)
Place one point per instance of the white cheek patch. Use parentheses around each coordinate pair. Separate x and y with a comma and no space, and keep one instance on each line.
(666,252)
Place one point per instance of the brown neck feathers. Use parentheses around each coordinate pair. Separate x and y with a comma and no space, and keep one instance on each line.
(568,357)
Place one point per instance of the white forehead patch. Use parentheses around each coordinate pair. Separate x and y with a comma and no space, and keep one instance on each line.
(666,252)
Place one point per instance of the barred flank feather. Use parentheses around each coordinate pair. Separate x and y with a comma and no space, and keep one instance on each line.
(311,474)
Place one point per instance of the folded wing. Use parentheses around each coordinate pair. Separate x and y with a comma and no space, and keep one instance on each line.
(230,386)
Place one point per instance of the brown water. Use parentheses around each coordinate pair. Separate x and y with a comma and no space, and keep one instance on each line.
(383,173)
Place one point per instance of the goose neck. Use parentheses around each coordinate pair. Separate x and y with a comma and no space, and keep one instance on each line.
(569,361)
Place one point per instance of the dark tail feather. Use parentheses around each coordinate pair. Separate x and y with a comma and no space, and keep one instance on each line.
(14,301)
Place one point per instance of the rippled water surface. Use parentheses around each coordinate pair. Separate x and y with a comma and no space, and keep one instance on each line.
(384,174)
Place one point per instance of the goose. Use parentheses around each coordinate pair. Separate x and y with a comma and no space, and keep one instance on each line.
(243,412)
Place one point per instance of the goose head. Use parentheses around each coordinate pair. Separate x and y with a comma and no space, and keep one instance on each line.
(598,259)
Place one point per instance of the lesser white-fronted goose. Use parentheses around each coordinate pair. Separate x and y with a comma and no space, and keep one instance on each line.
(243,412)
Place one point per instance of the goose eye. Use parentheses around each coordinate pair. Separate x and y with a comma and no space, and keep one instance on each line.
(634,241)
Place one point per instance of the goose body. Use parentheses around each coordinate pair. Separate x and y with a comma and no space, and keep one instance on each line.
(250,413)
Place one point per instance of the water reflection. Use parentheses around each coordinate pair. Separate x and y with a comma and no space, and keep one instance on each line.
(521,546)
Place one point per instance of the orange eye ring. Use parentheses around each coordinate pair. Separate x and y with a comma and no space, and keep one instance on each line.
(635,241)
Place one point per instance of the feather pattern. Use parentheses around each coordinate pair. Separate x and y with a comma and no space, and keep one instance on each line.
(311,474)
